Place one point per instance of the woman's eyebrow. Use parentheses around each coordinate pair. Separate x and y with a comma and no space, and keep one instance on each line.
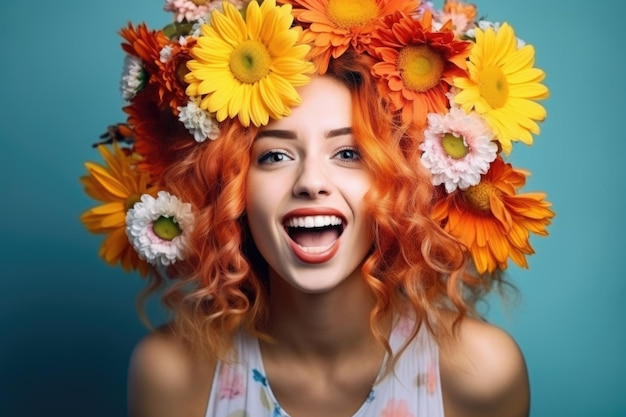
(290,134)
(339,132)
(277,133)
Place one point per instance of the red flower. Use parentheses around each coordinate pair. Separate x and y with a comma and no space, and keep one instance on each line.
(416,64)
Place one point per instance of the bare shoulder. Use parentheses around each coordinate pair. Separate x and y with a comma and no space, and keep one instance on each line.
(165,379)
(483,373)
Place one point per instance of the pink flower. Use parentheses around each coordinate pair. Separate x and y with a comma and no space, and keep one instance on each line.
(396,408)
(458,148)
(424,6)
(431,378)
(230,383)
(405,327)
(186,9)
(460,13)
(191,11)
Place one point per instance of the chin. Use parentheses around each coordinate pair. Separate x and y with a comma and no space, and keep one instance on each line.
(317,280)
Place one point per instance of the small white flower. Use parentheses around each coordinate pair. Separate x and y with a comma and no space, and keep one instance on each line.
(205,18)
(201,125)
(486,24)
(196,28)
(165,54)
(457,149)
(450,96)
(159,228)
(133,77)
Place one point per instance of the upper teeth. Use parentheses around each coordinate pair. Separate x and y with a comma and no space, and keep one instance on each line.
(314,221)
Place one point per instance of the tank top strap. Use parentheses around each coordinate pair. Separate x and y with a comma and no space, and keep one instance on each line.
(240,388)
(413,388)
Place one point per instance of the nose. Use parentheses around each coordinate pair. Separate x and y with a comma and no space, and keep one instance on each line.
(312,182)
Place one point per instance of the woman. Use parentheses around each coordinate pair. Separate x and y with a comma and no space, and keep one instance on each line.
(316,278)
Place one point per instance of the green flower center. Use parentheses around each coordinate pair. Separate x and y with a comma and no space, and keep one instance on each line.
(181,71)
(351,13)
(493,87)
(143,78)
(421,67)
(166,228)
(250,61)
(131,200)
(478,196)
(454,146)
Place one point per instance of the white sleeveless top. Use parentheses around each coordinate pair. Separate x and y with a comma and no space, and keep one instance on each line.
(413,390)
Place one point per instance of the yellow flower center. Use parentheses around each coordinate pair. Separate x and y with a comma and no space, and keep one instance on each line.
(420,67)
(478,196)
(166,228)
(250,61)
(351,13)
(199,2)
(454,146)
(493,87)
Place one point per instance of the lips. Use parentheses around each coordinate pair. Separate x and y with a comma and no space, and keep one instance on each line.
(314,233)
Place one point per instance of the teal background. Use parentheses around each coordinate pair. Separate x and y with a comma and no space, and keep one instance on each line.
(68,322)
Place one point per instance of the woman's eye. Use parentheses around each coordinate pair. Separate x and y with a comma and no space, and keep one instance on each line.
(348,154)
(273,157)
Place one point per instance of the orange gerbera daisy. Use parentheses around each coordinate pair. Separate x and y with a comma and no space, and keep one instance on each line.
(461,14)
(458,7)
(118,186)
(144,44)
(332,26)
(492,220)
(171,74)
(158,135)
(417,64)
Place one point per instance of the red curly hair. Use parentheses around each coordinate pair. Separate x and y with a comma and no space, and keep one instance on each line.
(414,267)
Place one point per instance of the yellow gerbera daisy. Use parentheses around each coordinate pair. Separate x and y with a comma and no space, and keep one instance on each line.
(118,186)
(492,220)
(502,85)
(249,68)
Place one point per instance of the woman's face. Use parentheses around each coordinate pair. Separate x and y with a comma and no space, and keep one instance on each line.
(305,190)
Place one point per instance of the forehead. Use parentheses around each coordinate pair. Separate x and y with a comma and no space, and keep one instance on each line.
(326,104)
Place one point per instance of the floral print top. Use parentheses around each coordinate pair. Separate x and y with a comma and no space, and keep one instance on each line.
(241,389)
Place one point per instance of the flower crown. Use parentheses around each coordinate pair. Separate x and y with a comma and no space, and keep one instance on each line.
(468,84)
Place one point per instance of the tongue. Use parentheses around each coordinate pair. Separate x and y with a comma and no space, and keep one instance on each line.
(314,238)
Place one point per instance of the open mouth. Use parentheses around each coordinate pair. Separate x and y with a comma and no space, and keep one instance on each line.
(314,234)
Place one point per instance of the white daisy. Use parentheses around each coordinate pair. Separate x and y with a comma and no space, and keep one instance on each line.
(457,149)
(196,28)
(159,228)
(133,77)
(201,125)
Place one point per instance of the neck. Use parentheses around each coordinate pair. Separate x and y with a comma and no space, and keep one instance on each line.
(329,324)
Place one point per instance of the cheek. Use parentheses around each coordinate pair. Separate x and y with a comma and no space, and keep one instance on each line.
(253,199)
(261,209)
(358,187)
(260,204)
(356,193)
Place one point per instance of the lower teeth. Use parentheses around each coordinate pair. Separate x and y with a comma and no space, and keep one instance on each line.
(315,249)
